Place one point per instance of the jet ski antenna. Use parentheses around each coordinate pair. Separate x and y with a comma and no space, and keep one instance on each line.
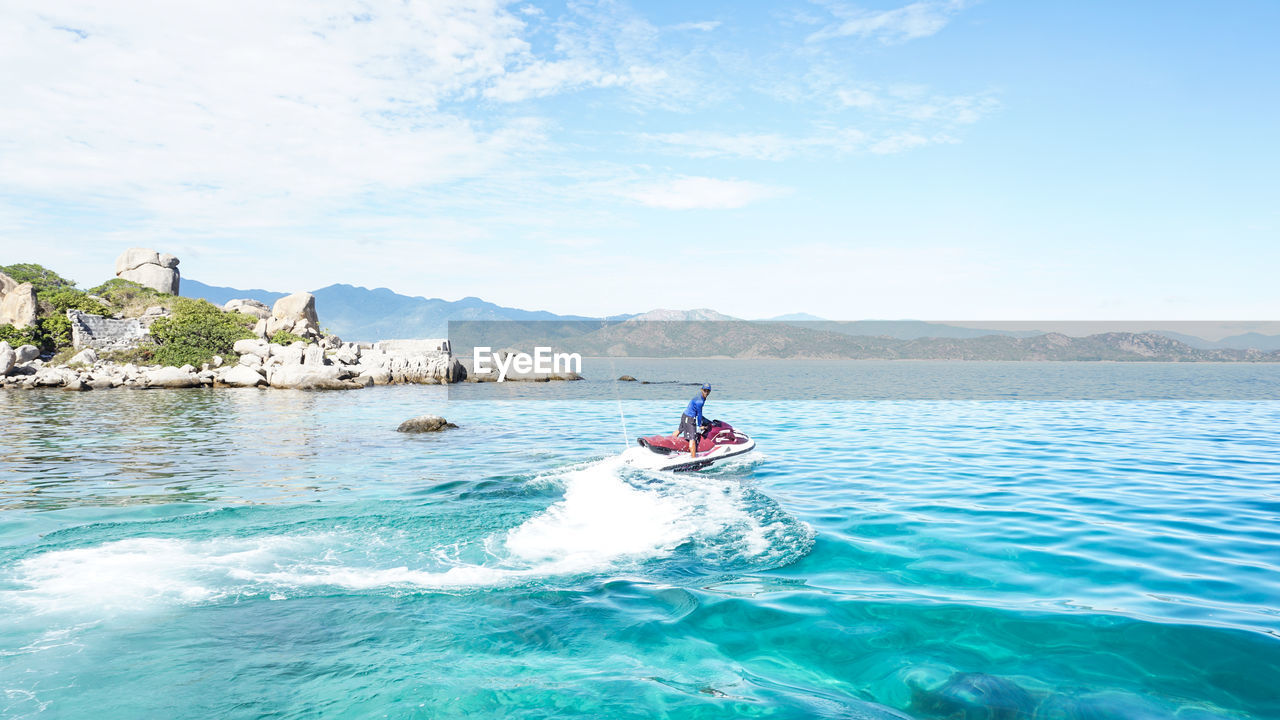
(626,437)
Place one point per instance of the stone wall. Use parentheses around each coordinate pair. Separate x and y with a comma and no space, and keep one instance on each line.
(104,333)
(426,346)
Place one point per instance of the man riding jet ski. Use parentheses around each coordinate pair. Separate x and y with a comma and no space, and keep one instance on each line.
(705,442)
(692,424)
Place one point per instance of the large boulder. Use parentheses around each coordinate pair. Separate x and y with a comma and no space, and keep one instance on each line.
(157,278)
(348,354)
(309,377)
(425,423)
(375,376)
(252,347)
(18,308)
(7,284)
(136,257)
(147,267)
(298,306)
(171,377)
(288,354)
(87,356)
(8,358)
(248,307)
(295,313)
(55,377)
(241,376)
(313,355)
(27,353)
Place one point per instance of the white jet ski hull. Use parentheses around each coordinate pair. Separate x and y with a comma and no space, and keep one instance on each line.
(681,461)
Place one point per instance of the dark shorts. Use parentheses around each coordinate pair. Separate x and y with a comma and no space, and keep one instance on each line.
(688,427)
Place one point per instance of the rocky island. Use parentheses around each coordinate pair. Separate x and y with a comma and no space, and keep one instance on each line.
(134,331)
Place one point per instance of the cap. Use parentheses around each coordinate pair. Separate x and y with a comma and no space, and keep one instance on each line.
(706,386)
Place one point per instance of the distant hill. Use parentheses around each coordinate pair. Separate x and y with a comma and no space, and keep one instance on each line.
(909,329)
(1244,341)
(220,295)
(786,340)
(794,317)
(357,313)
(701,314)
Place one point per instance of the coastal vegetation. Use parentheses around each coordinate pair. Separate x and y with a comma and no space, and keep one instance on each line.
(190,331)
(54,296)
(284,337)
(196,331)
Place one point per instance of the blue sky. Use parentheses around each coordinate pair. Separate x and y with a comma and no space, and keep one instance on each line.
(930,160)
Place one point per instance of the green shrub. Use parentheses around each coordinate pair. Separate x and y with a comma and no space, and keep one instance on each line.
(62,356)
(197,331)
(284,337)
(64,299)
(19,337)
(55,332)
(143,355)
(129,297)
(38,275)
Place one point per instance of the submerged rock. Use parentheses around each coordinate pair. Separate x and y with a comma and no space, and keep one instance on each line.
(975,696)
(626,378)
(425,423)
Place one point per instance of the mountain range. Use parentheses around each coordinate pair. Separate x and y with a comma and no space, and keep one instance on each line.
(358,313)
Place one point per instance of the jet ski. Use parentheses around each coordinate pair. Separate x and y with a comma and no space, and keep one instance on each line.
(663,452)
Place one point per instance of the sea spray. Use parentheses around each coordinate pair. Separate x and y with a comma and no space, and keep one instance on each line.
(609,519)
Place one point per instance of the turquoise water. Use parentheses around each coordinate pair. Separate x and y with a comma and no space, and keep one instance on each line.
(246,554)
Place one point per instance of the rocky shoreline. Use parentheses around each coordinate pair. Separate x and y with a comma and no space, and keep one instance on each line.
(114,343)
(298,366)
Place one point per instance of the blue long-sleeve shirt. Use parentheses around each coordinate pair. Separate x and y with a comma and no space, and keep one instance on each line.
(695,408)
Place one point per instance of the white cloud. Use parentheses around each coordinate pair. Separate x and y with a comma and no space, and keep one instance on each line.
(917,20)
(758,146)
(900,142)
(704,26)
(178,108)
(702,193)
(541,78)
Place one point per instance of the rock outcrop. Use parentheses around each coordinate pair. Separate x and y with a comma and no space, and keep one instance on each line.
(242,376)
(248,307)
(8,358)
(171,377)
(309,377)
(149,268)
(294,313)
(425,423)
(18,306)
